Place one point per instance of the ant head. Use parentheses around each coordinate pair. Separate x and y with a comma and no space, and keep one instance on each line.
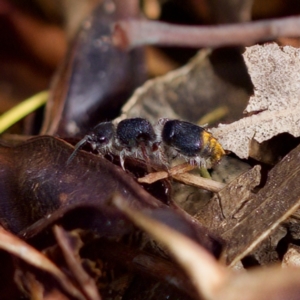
(131,133)
(183,136)
(100,138)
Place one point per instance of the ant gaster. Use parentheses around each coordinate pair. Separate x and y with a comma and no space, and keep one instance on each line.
(192,142)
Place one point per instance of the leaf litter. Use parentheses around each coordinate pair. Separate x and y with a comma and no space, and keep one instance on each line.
(250,210)
(115,213)
(274,107)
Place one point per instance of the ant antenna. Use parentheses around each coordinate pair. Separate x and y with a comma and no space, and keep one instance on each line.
(77,148)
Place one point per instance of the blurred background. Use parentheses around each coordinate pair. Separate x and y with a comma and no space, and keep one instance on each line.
(35,36)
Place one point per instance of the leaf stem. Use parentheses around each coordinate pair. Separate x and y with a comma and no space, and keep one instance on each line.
(21,110)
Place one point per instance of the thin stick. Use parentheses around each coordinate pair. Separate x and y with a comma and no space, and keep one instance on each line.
(179,174)
(214,116)
(200,182)
(133,33)
(155,176)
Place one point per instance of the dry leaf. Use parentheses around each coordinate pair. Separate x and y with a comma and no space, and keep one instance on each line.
(24,251)
(219,213)
(86,283)
(243,218)
(275,75)
(211,279)
(264,211)
(198,264)
(87,87)
(208,81)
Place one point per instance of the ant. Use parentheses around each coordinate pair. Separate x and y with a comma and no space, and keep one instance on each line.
(167,140)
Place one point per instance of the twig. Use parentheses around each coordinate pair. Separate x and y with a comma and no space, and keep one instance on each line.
(133,33)
(179,174)
(155,176)
(200,182)
(214,116)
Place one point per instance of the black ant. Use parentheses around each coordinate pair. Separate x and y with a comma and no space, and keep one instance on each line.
(170,139)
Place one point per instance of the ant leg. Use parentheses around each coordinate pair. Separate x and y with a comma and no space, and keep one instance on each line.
(146,157)
(122,159)
(163,157)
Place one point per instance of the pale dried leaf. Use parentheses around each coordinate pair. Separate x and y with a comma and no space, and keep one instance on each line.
(275,73)
(261,284)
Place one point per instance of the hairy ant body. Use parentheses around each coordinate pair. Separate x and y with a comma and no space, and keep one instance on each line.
(170,139)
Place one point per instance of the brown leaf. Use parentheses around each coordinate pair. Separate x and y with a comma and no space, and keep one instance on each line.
(146,264)
(201,267)
(245,219)
(24,251)
(87,284)
(271,206)
(211,279)
(221,213)
(194,90)
(88,88)
(38,186)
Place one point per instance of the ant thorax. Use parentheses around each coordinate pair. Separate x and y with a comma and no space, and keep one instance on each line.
(135,138)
